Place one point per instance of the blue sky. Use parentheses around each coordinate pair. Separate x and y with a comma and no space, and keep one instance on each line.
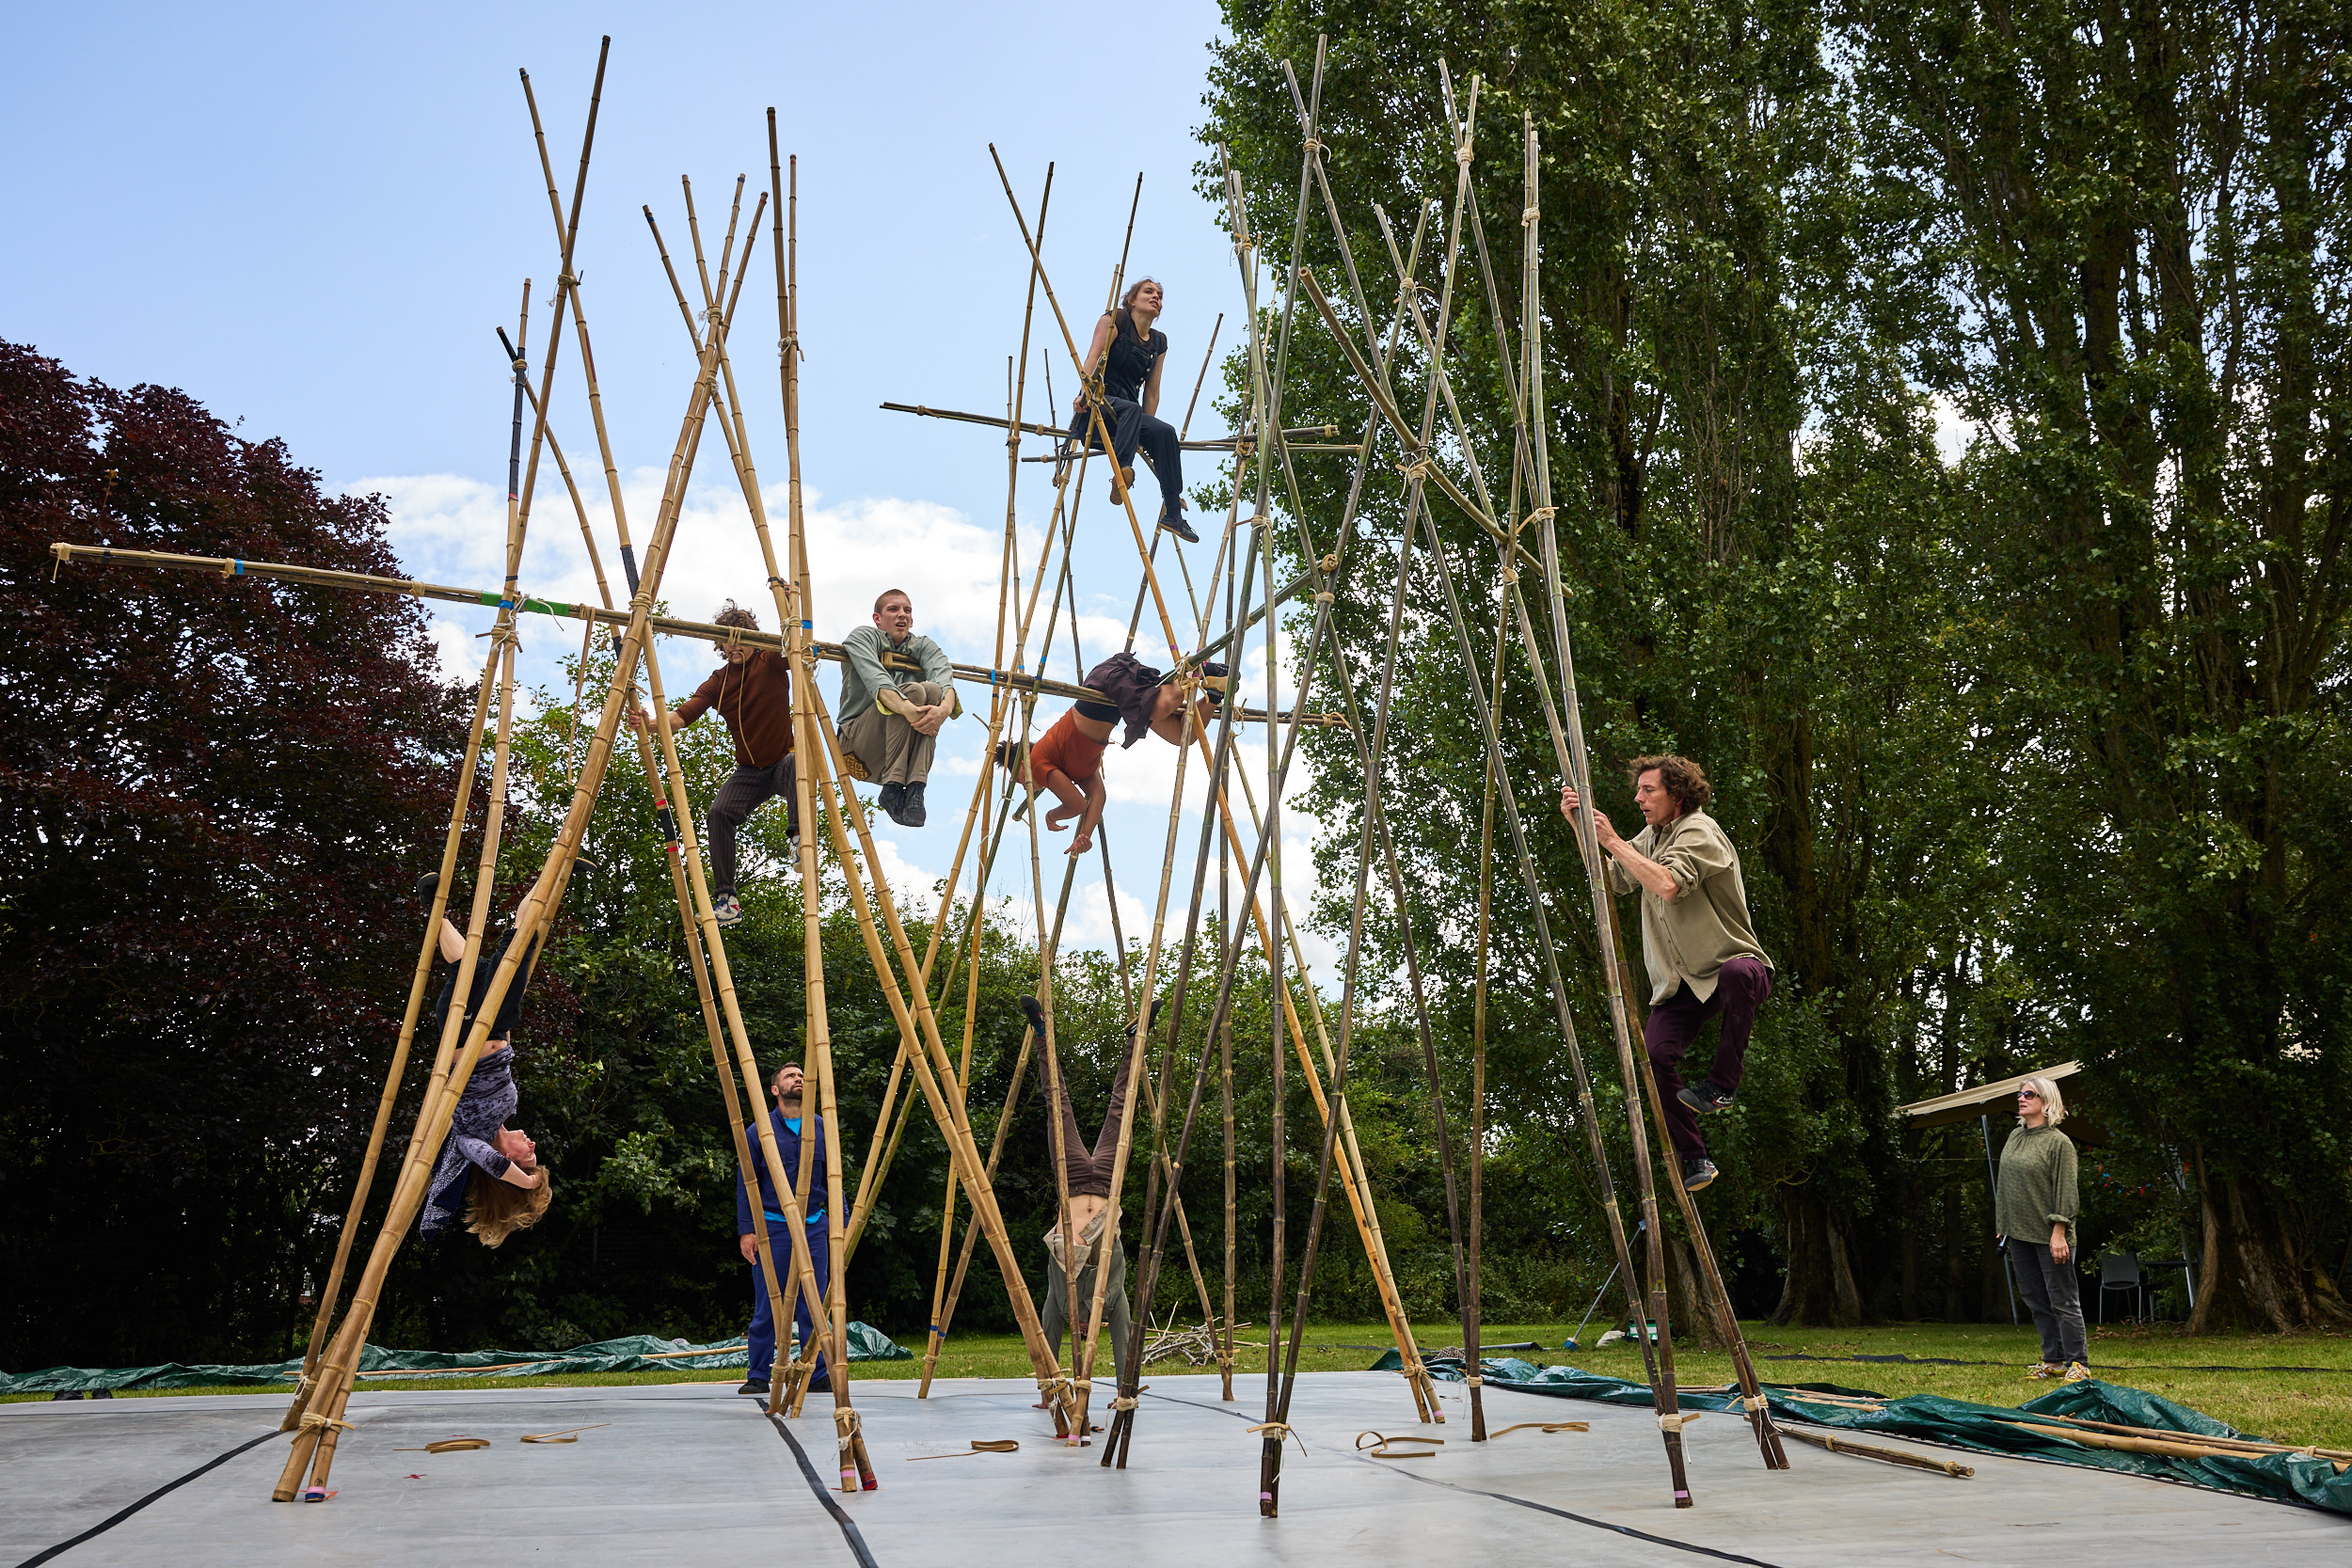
(313,218)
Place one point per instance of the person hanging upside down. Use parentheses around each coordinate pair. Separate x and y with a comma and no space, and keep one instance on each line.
(487,1169)
(1089,1174)
(1130,353)
(1067,760)
(752,692)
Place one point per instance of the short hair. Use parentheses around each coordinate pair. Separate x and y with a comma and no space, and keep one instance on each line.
(1683,778)
(2053,1102)
(890,593)
(733,615)
(776,1077)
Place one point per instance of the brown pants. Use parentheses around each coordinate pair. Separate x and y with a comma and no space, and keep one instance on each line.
(889,747)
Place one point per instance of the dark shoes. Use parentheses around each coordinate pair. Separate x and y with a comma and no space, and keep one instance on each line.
(1704,1098)
(1157,1005)
(890,799)
(1698,1173)
(755,1385)
(1173,520)
(1035,1014)
(911,812)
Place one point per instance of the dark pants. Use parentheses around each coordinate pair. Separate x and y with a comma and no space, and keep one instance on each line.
(1058,1315)
(762,1334)
(2053,1294)
(1741,987)
(746,790)
(1131,427)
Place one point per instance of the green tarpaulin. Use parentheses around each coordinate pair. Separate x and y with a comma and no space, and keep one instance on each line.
(636,1353)
(1987,1428)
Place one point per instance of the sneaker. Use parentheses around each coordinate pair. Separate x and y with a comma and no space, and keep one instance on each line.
(911,812)
(1698,1172)
(2078,1373)
(889,800)
(1035,1014)
(755,1385)
(725,910)
(1175,524)
(1704,1098)
(425,886)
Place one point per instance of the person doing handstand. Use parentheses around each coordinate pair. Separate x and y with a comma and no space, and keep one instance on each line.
(1088,1170)
(485,1168)
(752,692)
(1067,760)
(1130,353)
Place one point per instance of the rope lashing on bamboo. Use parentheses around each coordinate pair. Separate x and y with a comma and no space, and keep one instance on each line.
(1755,1402)
(1324,597)
(1277,1431)
(1418,468)
(848,1425)
(313,1421)
(568,281)
(1123,1403)
(1462,155)
(1540,511)
(1528,215)
(1676,1423)
(1311,145)
(1475,1381)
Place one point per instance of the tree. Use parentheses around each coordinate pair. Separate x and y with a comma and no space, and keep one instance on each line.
(214,796)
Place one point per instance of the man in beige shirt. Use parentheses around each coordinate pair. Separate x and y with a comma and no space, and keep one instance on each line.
(1697,943)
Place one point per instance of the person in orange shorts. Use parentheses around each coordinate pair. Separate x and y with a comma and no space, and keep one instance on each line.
(1067,760)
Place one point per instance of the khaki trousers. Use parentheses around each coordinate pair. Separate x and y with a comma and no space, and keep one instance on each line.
(889,747)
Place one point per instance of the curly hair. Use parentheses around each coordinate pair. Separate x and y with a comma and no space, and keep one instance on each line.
(1683,778)
(733,615)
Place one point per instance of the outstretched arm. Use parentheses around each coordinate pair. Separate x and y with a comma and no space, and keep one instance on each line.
(1642,869)
(453,941)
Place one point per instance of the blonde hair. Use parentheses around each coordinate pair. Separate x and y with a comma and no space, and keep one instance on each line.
(2053,1102)
(495,1209)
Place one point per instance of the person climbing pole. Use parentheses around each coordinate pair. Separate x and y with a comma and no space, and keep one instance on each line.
(1088,1169)
(752,692)
(1067,760)
(787,1120)
(1130,353)
(486,1169)
(890,717)
(1697,943)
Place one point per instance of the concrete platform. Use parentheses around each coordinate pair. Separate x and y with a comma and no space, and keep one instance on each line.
(690,1474)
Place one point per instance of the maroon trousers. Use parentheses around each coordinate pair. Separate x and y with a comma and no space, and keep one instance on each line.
(1741,987)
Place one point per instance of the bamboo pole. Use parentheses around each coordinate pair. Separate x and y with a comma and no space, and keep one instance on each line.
(313,1444)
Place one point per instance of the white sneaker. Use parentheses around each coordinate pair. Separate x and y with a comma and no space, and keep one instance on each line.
(725,910)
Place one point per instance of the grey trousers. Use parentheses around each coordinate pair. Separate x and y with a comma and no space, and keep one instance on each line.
(889,747)
(2053,1294)
(1056,1312)
(745,791)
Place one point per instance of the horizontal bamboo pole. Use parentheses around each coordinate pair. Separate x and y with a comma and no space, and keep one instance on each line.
(1951,1468)
(1226,444)
(317,577)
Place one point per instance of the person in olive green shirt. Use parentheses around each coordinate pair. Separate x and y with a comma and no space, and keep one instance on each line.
(2034,1206)
(1697,943)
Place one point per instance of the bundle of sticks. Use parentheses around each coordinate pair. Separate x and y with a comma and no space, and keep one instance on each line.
(1200,1346)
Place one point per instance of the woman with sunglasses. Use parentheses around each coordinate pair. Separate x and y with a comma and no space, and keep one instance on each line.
(2034,1206)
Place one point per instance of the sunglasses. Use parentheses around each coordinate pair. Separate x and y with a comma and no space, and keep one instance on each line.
(2029,1094)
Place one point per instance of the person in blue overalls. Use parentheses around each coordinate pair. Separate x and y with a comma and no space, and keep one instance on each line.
(787,1120)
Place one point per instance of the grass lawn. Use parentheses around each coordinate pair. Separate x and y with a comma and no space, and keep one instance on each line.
(2299,1406)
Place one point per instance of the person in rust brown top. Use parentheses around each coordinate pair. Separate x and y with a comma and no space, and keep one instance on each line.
(752,692)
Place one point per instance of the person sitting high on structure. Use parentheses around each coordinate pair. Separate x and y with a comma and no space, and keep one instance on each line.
(487,1168)
(890,717)
(1067,760)
(752,692)
(1130,353)
(1088,1172)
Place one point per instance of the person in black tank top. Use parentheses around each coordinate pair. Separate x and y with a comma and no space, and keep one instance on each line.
(1130,352)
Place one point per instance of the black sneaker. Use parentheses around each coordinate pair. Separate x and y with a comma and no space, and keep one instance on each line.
(425,885)
(1698,1172)
(890,799)
(1175,524)
(755,1385)
(1704,1098)
(911,812)
(1035,1014)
